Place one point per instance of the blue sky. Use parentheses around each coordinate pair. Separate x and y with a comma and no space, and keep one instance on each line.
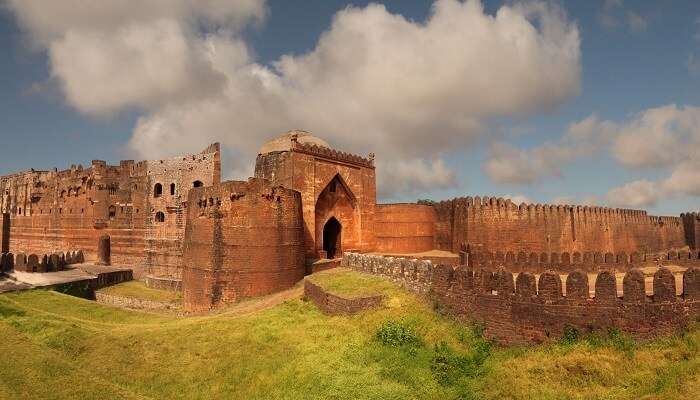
(633,57)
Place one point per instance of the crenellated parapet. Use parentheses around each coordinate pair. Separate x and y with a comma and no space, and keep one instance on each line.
(532,308)
(326,152)
(52,262)
(587,261)
(498,223)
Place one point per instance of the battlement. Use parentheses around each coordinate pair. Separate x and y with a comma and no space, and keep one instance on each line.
(325,152)
(498,223)
(534,309)
(566,262)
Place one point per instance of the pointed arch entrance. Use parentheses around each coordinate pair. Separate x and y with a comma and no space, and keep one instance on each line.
(336,219)
(332,234)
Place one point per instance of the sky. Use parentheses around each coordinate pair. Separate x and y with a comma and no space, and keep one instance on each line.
(574,102)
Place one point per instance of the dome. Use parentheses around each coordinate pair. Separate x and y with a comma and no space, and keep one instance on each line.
(284,142)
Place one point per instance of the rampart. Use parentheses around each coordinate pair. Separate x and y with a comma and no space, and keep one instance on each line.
(242,239)
(530,310)
(404,228)
(492,224)
(566,262)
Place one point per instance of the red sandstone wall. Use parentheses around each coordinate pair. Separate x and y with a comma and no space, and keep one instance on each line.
(49,211)
(309,170)
(527,310)
(404,228)
(242,239)
(497,224)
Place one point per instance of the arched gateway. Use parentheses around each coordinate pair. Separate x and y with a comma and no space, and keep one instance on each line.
(332,231)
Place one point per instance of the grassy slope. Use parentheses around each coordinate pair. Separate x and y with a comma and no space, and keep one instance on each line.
(59,347)
(138,289)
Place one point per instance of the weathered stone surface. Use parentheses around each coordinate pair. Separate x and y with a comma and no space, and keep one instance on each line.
(529,317)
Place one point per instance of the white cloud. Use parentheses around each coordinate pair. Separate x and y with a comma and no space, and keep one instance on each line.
(662,138)
(375,81)
(413,176)
(641,193)
(508,164)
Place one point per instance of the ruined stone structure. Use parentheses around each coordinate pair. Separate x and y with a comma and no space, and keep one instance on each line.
(139,207)
(179,227)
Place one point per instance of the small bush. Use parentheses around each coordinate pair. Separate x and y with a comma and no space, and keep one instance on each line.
(398,334)
(570,336)
(448,366)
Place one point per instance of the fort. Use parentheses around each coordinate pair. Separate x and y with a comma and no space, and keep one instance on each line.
(179,227)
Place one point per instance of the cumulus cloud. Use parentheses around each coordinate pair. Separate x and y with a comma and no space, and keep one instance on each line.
(639,193)
(375,81)
(509,164)
(413,176)
(661,139)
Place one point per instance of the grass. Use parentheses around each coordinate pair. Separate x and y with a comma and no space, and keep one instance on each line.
(139,290)
(348,283)
(59,347)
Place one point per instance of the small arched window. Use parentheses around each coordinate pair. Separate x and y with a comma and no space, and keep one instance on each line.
(160,216)
(112,212)
(157,190)
(197,184)
(172,189)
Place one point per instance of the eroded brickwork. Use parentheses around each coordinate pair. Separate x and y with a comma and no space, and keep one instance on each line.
(242,239)
(332,184)
(495,224)
(530,310)
(46,211)
(404,228)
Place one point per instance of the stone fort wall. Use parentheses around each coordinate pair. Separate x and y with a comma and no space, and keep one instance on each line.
(566,262)
(529,310)
(242,239)
(404,228)
(46,211)
(494,224)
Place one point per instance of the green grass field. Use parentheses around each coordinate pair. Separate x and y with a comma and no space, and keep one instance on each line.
(55,346)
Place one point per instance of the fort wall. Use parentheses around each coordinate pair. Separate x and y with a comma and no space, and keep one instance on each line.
(529,310)
(404,228)
(587,261)
(242,239)
(493,224)
(47,211)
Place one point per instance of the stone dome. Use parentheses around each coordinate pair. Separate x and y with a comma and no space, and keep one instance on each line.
(284,142)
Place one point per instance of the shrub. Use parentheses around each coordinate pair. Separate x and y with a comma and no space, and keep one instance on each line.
(448,366)
(570,336)
(397,334)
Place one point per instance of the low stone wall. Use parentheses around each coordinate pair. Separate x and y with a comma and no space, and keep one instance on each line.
(527,310)
(173,285)
(132,303)
(40,263)
(336,305)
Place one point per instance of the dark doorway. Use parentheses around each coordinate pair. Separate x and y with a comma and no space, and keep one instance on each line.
(331,237)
